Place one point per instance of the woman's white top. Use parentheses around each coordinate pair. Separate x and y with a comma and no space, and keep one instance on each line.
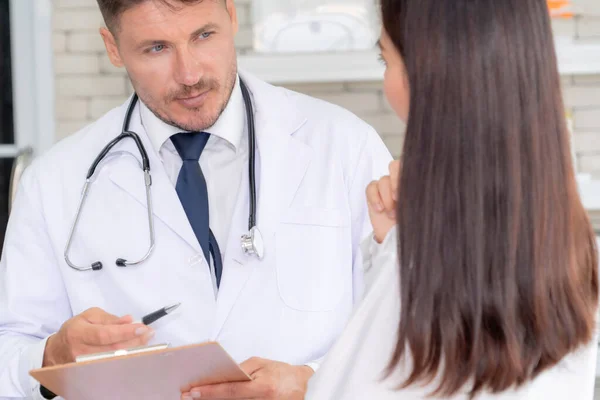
(354,367)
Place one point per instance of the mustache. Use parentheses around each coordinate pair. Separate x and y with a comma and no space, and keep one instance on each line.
(189,91)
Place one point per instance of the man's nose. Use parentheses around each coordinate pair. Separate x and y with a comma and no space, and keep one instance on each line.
(188,69)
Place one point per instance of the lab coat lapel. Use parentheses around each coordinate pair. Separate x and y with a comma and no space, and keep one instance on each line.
(166,205)
(281,163)
(282,159)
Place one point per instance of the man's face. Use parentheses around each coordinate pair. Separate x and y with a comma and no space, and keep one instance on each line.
(181,60)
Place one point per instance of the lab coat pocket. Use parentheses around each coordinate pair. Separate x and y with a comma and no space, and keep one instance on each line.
(314,258)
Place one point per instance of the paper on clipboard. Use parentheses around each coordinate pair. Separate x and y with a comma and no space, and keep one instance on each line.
(159,374)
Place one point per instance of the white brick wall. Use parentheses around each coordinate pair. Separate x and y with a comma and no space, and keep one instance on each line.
(75,64)
(88,85)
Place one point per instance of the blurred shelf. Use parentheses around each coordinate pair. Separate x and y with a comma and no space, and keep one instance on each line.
(587,8)
(578,57)
(590,194)
(575,58)
(314,67)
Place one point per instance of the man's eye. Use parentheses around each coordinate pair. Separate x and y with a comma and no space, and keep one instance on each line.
(205,35)
(158,48)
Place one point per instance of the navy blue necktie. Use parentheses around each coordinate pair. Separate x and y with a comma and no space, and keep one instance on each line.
(193,193)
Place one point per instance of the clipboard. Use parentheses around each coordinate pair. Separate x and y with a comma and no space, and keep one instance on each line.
(162,373)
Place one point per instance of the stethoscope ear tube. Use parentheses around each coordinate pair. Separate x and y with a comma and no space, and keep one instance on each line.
(125,132)
(101,156)
(135,136)
(121,262)
(96,266)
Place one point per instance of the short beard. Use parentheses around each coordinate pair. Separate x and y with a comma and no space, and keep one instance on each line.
(203,85)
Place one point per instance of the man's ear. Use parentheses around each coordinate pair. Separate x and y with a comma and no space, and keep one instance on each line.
(111,47)
(233,15)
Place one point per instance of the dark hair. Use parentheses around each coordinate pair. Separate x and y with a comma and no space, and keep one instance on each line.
(112,9)
(497,257)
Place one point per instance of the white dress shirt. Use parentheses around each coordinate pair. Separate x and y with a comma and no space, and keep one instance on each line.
(353,369)
(223,161)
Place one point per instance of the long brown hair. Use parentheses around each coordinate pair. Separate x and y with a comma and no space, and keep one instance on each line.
(497,257)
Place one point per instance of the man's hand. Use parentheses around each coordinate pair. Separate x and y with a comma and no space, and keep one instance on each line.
(93,331)
(271,380)
(381,197)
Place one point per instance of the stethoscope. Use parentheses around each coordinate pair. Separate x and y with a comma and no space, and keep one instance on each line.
(252,243)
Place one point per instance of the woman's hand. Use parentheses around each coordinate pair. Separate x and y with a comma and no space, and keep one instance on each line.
(381,197)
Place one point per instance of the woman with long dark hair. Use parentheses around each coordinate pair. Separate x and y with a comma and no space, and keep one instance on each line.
(484,261)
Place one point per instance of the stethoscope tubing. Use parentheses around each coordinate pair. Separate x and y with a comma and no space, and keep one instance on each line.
(145,164)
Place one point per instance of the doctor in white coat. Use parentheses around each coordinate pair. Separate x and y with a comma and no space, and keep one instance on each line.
(313,163)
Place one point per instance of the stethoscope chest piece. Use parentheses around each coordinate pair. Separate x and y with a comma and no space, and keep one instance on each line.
(252,243)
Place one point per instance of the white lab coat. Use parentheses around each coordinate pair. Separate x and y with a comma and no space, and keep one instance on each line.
(314,161)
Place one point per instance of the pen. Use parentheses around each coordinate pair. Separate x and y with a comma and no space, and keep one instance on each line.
(146,320)
(153,316)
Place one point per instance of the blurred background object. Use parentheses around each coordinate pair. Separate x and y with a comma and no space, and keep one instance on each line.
(290,26)
(587,7)
(560,8)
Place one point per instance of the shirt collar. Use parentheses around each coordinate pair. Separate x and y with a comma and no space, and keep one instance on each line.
(229,126)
